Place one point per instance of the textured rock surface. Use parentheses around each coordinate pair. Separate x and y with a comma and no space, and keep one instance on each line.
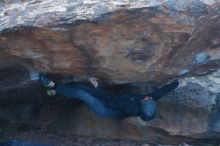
(118,41)
(189,114)
(191,110)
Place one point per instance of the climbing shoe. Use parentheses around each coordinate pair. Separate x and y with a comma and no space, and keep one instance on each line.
(51,92)
(46,82)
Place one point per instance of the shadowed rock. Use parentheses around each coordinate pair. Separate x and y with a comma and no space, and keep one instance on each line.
(143,43)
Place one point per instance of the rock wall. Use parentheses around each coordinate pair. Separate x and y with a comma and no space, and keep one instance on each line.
(144,43)
(117,41)
(189,114)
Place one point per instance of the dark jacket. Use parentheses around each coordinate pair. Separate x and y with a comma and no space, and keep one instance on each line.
(127,105)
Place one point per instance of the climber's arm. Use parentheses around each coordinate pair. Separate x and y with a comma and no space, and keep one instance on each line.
(158,93)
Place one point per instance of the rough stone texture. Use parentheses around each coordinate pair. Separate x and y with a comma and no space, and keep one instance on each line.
(195,106)
(118,41)
(189,114)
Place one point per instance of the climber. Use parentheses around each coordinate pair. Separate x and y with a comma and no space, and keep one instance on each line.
(104,103)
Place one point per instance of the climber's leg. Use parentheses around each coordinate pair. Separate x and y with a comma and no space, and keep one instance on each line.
(95,104)
(158,93)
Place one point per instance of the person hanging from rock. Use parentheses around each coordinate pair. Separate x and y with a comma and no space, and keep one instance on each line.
(104,103)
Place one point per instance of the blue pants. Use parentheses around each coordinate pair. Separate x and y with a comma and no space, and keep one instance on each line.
(95,104)
(100,100)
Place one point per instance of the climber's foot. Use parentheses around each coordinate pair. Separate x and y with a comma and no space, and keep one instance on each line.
(46,82)
(51,92)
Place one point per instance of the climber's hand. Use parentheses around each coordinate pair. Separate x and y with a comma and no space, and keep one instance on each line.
(147,98)
(94,81)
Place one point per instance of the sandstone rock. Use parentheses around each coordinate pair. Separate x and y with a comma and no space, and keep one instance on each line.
(118,41)
(196,108)
(190,114)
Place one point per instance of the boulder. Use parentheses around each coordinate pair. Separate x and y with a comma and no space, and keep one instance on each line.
(145,43)
(189,114)
(117,41)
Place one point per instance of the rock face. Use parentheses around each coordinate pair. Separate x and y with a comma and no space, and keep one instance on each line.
(189,114)
(141,42)
(117,41)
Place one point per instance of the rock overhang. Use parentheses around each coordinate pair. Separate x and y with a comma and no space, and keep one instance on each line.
(122,42)
(144,41)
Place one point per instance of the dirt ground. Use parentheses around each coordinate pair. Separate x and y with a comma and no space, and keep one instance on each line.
(61,139)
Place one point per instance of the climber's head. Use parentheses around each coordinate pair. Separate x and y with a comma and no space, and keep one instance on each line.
(148,107)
